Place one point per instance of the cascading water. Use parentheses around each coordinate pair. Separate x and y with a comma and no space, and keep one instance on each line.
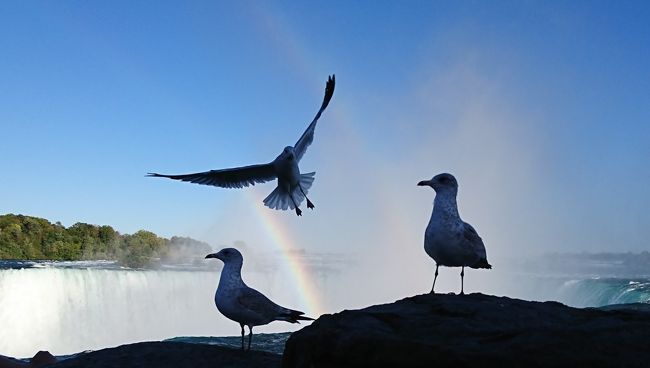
(597,292)
(75,306)
(69,309)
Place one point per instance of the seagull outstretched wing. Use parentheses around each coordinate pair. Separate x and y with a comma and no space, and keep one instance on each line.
(308,136)
(228,178)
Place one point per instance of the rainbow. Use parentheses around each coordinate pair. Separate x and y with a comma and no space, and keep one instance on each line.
(300,273)
(271,25)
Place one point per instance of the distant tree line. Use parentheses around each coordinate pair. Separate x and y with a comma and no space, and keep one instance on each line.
(33,238)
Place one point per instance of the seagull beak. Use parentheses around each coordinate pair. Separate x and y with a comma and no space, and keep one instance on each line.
(424,183)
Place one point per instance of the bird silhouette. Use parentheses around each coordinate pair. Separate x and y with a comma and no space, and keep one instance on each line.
(240,303)
(448,239)
(292,186)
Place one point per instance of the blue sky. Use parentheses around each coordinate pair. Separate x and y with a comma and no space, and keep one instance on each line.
(540,108)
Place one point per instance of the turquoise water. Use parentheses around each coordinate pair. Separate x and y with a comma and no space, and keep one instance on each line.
(597,292)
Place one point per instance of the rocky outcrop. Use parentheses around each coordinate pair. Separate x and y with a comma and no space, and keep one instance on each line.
(473,331)
(422,331)
(171,354)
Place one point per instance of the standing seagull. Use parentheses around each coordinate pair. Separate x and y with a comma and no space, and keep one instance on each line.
(245,305)
(292,186)
(449,240)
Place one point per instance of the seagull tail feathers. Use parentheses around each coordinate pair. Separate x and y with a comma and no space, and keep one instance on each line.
(281,200)
(482,263)
(294,316)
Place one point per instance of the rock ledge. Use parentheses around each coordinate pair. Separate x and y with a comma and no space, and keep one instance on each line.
(473,330)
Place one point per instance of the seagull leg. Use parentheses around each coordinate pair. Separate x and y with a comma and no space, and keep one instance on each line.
(310,205)
(462,275)
(250,336)
(298,211)
(242,335)
(435,276)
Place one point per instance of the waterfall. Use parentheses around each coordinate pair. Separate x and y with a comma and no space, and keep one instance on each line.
(597,292)
(71,307)
(68,310)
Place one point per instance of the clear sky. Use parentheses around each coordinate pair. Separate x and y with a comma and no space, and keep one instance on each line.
(540,108)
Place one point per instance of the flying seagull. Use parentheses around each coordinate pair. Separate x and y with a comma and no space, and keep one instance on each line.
(243,304)
(292,185)
(449,240)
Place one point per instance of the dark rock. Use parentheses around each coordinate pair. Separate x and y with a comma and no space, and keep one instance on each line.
(171,354)
(473,331)
(41,359)
(270,342)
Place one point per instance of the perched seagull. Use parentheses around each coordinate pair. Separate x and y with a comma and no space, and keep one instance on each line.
(292,186)
(449,240)
(245,305)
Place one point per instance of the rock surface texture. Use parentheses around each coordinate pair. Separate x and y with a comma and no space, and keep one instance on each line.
(473,331)
(172,354)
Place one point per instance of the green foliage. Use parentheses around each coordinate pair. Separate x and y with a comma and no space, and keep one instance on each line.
(141,247)
(33,238)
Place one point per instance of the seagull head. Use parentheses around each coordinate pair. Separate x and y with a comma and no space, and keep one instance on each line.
(441,182)
(288,153)
(227,255)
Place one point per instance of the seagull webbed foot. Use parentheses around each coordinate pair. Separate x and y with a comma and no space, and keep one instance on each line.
(298,211)
(309,204)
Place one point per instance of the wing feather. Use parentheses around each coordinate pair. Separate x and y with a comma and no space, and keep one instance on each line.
(475,243)
(255,302)
(228,178)
(308,136)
